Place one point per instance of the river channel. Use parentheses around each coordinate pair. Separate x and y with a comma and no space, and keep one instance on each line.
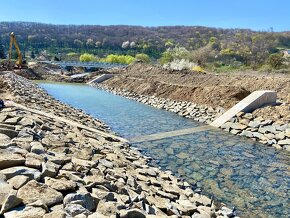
(234,170)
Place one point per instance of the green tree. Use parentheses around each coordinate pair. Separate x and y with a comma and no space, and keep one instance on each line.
(143,57)
(87,57)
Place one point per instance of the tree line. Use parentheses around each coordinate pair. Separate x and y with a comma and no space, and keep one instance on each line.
(204,44)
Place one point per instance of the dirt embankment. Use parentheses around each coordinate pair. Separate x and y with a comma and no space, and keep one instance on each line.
(52,72)
(214,90)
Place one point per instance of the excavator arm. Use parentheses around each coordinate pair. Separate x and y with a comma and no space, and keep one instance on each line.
(14,42)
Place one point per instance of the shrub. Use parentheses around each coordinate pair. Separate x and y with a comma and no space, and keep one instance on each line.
(198,69)
(87,57)
(143,57)
(179,65)
(276,60)
(202,55)
(119,59)
(166,58)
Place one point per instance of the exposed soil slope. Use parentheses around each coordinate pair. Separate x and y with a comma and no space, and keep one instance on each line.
(223,90)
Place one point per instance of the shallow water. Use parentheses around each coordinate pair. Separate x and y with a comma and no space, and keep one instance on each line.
(237,171)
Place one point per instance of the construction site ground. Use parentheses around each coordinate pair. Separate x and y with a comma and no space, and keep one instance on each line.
(210,89)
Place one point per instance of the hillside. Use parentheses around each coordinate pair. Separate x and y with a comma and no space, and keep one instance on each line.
(102,40)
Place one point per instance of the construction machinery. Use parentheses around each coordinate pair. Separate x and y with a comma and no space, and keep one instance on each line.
(20,63)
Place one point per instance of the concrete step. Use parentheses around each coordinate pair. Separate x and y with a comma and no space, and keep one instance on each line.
(253,101)
(101,78)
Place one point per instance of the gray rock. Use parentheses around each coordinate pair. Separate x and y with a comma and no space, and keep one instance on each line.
(60,184)
(107,208)
(238,126)
(284,142)
(34,160)
(83,163)
(132,213)
(260,136)
(280,136)
(49,169)
(247,133)
(56,214)
(13,120)
(76,209)
(106,163)
(9,159)
(4,139)
(268,129)
(37,148)
(16,171)
(18,181)
(186,207)
(97,215)
(227,212)
(10,201)
(27,212)
(33,191)
(5,189)
(84,199)
(287,133)
(9,132)
(254,124)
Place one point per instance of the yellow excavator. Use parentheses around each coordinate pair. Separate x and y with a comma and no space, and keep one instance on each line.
(20,63)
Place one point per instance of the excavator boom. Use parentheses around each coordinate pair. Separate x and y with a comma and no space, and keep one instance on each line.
(14,42)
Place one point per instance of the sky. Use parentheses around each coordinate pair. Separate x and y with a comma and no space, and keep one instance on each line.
(252,14)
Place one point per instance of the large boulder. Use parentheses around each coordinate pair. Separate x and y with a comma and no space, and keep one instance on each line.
(60,184)
(84,199)
(34,191)
(26,171)
(8,159)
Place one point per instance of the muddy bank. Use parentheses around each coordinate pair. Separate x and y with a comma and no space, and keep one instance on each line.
(52,169)
(223,90)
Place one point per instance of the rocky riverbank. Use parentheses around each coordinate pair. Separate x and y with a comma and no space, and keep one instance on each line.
(267,131)
(200,113)
(50,168)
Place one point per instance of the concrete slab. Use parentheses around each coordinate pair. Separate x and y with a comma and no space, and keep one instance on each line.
(163,135)
(101,78)
(255,100)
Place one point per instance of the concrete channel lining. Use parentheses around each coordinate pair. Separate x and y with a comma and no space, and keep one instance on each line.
(101,78)
(253,101)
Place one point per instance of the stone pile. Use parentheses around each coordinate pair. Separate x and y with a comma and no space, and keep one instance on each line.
(51,169)
(276,134)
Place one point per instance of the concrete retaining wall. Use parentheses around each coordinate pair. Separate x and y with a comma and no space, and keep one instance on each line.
(255,100)
(101,78)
